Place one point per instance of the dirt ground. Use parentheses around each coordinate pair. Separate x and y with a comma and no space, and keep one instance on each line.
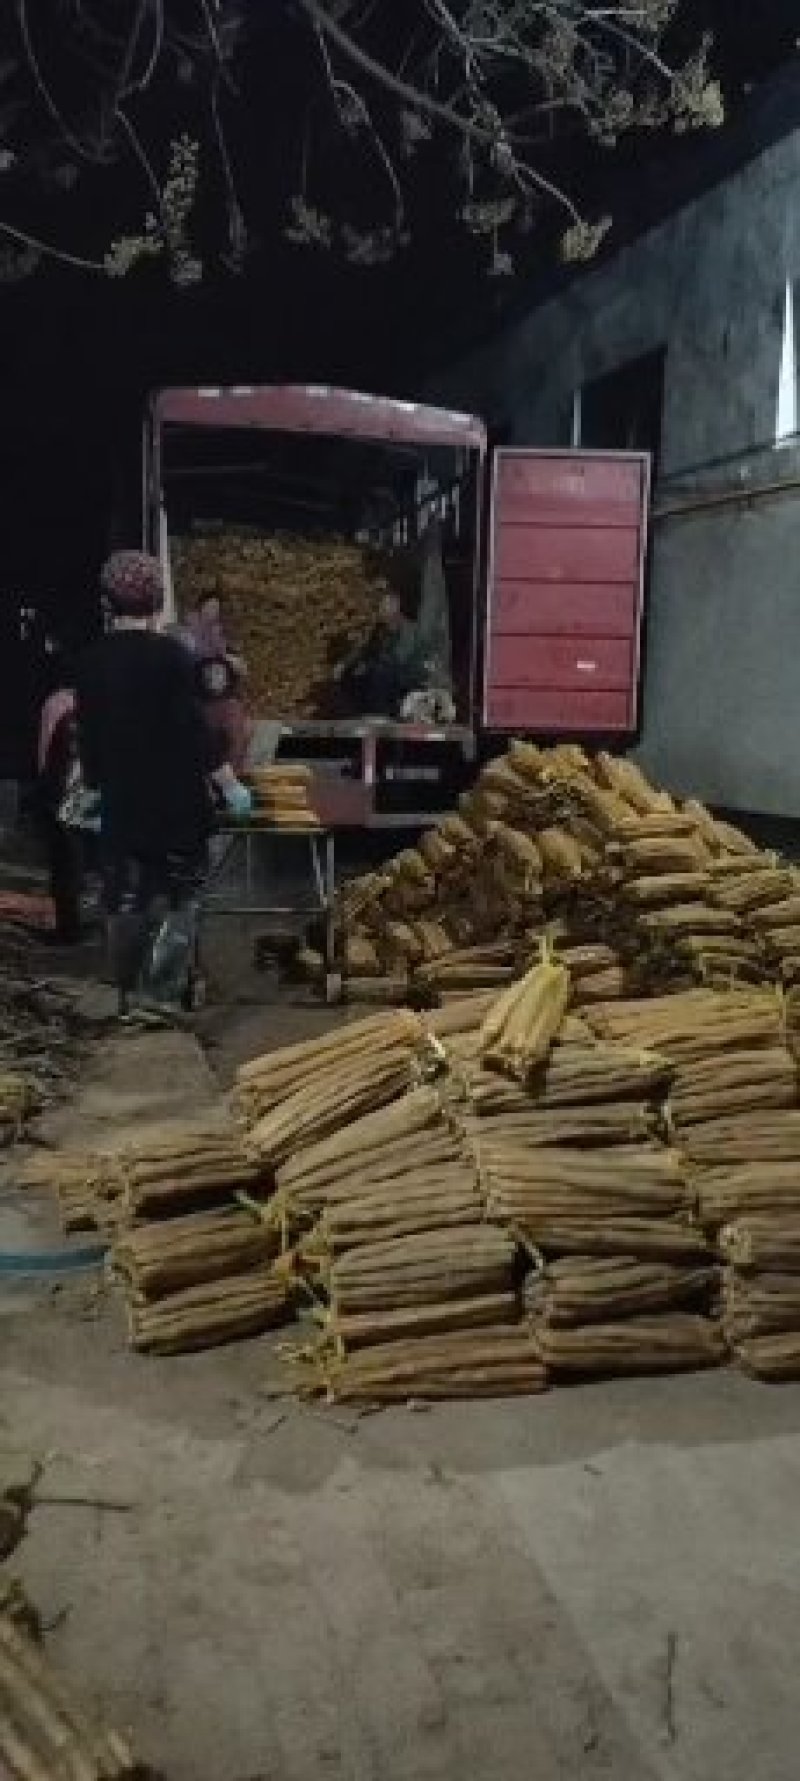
(602,1582)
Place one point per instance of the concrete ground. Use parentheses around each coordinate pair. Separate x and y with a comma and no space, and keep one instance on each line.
(602,1582)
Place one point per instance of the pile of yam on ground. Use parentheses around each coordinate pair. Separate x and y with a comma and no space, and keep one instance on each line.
(485,1197)
(542,1177)
(538,1175)
(293,608)
(639,889)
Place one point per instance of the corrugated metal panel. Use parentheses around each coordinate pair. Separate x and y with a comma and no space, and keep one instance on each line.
(307,408)
(565,591)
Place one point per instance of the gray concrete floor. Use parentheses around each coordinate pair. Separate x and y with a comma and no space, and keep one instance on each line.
(603,1582)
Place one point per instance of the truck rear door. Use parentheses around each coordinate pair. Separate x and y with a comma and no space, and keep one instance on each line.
(564,595)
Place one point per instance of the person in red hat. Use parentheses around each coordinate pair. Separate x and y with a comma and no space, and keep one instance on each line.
(146,749)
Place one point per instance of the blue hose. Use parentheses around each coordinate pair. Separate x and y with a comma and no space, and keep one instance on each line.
(17,1263)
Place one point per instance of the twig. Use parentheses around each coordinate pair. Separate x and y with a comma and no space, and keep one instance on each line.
(669,1687)
(421,101)
(82,149)
(111,1505)
(52,253)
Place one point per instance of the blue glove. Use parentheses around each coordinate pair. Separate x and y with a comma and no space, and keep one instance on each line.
(238,799)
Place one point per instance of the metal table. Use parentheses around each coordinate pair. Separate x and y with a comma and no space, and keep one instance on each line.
(243,842)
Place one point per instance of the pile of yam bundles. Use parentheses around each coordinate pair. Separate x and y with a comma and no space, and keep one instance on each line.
(488,1197)
(640,890)
(293,608)
(546,1174)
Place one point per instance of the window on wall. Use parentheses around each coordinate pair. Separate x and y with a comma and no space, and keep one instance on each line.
(623,411)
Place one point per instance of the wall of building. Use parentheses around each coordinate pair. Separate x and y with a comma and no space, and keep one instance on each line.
(721,709)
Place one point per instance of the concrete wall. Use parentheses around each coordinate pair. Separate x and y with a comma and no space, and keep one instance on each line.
(722,680)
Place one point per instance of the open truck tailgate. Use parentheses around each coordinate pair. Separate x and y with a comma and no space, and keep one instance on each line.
(565,590)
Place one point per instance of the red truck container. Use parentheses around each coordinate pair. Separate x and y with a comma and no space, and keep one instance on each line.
(544,563)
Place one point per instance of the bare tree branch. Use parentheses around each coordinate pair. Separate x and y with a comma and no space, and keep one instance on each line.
(505,79)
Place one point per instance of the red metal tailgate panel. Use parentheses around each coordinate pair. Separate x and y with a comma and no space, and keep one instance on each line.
(526,608)
(562,663)
(565,591)
(568,554)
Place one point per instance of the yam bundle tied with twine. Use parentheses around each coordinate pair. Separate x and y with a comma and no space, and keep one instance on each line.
(293,608)
(194,1258)
(282,797)
(86,1184)
(640,890)
(20,1100)
(45,1732)
(762,1290)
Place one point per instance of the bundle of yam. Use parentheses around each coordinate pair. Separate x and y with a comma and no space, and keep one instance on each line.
(293,608)
(762,1291)
(297,1096)
(638,889)
(217,1311)
(192,1254)
(423,1284)
(281,797)
(189,1248)
(675,1342)
(500,1362)
(173,1167)
(201,1279)
(167,1256)
(87,1185)
(598,1315)
(45,1733)
(166,1168)
(19,1101)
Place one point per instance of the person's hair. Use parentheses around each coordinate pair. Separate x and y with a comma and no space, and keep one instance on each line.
(133,584)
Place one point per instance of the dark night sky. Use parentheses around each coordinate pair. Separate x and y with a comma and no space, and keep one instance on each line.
(78,353)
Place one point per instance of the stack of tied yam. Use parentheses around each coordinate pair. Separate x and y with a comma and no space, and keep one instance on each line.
(762,1281)
(765,896)
(571,1154)
(378,1204)
(191,1251)
(282,797)
(181,1207)
(733,1114)
(416,1226)
(644,890)
(293,608)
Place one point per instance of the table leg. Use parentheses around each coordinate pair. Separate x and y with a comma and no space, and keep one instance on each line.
(330,903)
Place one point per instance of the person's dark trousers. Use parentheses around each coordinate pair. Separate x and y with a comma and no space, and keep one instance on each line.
(65,866)
(138,891)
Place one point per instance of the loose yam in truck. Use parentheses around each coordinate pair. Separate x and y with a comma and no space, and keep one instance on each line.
(302,507)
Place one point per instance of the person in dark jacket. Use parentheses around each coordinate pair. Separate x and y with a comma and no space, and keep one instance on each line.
(145,747)
(386,668)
